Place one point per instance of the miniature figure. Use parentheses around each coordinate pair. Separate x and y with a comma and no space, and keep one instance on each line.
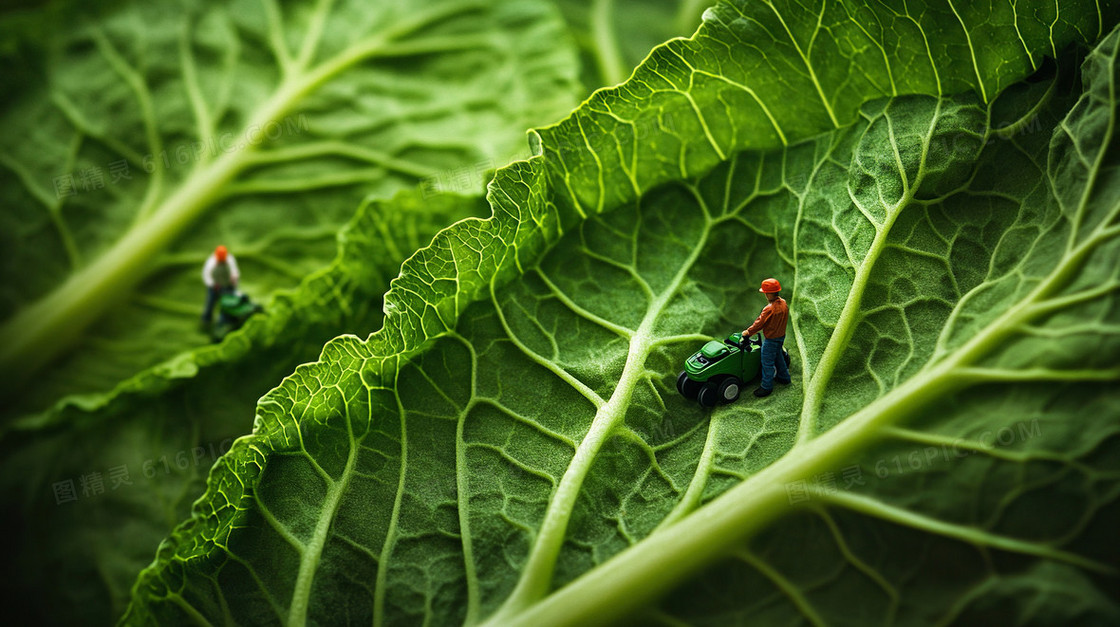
(220,274)
(772,323)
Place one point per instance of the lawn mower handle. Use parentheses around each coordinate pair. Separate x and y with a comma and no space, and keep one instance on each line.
(747,341)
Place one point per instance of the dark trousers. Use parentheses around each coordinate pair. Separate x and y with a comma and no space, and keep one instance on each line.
(773,360)
(212,296)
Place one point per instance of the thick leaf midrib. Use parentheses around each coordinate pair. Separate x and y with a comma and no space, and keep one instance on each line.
(671,553)
(850,316)
(536,577)
(638,574)
(608,56)
(36,334)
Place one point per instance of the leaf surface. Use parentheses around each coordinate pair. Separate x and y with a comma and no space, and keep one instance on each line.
(137,457)
(515,452)
(149,141)
(166,423)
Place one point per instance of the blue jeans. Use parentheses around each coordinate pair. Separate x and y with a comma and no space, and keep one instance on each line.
(772,358)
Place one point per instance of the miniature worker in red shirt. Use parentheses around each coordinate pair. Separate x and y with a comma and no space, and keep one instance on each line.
(772,323)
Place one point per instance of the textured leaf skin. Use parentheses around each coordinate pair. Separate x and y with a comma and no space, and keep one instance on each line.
(168,425)
(263,127)
(970,410)
(745,80)
(78,559)
(515,451)
(190,404)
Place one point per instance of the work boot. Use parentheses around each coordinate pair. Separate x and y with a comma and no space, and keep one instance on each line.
(782,381)
(760,392)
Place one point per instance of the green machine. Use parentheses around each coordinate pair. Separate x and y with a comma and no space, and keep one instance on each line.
(717,372)
(234,308)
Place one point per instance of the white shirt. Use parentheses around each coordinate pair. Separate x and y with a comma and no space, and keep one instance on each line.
(212,263)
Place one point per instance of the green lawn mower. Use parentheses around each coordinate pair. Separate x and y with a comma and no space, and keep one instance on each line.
(717,372)
(234,308)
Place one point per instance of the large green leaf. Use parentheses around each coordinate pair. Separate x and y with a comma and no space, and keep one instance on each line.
(614,36)
(166,426)
(185,407)
(948,451)
(761,75)
(516,452)
(241,123)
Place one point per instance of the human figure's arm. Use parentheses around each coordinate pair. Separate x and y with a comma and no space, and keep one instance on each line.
(757,325)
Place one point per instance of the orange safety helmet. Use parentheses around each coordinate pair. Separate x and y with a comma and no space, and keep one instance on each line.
(220,252)
(770,286)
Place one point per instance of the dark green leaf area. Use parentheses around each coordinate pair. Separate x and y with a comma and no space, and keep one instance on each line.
(534,463)
(147,141)
(999,495)
(903,545)
(167,426)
